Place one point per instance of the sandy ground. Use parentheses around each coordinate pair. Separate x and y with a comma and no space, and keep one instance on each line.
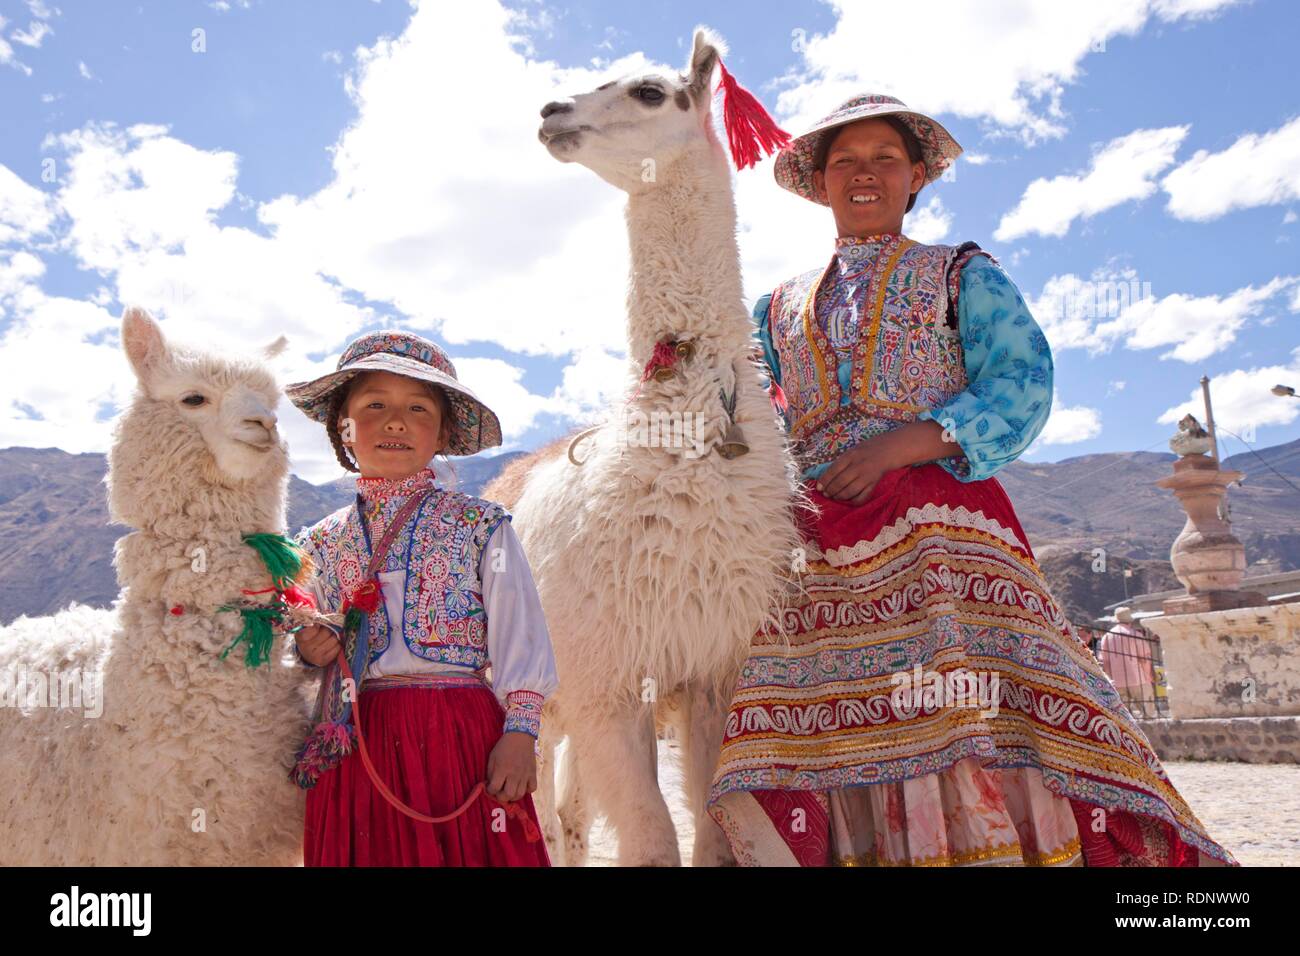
(1252,809)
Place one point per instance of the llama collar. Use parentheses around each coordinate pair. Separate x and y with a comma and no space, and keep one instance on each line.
(384,489)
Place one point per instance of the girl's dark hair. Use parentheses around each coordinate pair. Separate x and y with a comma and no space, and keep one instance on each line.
(910,143)
(340,401)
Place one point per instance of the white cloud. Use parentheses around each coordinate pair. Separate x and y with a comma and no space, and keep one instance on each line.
(138,189)
(1121,171)
(1192,9)
(1243,400)
(1070,424)
(1256,170)
(930,223)
(7,53)
(1112,307)
(49,365)
(1196,326)
(36,31)
(25,211)
(1007,65)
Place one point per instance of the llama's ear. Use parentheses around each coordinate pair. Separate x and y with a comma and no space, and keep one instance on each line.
(143,341)
(708,49)
(276,348)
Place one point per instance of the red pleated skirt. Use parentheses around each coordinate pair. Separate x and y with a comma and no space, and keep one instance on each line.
(430,746)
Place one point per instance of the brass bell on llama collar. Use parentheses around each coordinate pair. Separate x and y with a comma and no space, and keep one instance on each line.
(733,443)
(680,351)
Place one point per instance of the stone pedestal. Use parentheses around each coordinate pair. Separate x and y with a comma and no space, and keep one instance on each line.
(1207,557)
(1236,663)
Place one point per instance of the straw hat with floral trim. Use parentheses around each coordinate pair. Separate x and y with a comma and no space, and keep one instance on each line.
(794,166)
(474,425)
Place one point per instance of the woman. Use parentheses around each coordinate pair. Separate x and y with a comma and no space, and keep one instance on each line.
(928,703)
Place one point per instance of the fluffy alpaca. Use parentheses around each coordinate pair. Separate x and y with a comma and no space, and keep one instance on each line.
(188,762)
(656,565)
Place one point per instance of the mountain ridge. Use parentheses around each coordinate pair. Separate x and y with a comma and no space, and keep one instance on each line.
(56,543)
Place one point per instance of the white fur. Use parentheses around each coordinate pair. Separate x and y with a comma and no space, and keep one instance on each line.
(655,568)
(189,762)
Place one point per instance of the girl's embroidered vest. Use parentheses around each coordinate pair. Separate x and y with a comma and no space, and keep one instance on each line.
(907,358)
(442,608)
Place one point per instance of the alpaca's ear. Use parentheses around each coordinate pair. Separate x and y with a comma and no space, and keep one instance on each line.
(708,49)
(276,348)
(143,341)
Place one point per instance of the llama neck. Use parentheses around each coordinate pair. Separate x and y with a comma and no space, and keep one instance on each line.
(685,275)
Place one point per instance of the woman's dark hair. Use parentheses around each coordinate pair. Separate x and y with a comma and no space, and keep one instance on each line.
(910,143)
(340,401)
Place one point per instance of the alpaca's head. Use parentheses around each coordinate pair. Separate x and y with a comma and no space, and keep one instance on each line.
(199,422)
(627,130)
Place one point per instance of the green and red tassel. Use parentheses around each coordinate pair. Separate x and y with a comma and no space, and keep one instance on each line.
(288,565)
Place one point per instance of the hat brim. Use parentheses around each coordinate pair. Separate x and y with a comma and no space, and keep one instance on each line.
(794,165)
(474,425)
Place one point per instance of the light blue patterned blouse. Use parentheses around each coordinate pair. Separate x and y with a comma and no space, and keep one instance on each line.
(1008,368)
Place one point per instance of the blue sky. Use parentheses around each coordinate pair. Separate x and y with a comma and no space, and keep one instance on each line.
(319,169)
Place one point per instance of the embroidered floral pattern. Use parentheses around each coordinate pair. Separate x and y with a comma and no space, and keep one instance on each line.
(902,358)
(523,711)
(1005,356)
(442,618)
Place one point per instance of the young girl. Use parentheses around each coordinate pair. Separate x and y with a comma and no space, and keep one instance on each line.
(929,704)
(454,594)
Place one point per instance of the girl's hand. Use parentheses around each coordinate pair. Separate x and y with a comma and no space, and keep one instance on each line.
(511,769)
(317,644)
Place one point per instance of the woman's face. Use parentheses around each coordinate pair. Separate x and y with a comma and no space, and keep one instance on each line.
(868,178)
(396,425)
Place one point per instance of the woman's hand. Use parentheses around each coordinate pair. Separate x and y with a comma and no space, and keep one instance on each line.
(317,644)
(853,475)
(512,769)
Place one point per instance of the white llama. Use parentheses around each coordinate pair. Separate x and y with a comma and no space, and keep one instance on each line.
(656,565)
(188,762)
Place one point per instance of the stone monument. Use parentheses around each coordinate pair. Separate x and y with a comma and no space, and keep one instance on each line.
(1207,557)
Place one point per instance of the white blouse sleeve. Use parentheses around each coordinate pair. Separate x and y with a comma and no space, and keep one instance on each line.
(519,644)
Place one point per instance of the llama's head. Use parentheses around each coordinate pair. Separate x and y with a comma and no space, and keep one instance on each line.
(200,423)
(628,128)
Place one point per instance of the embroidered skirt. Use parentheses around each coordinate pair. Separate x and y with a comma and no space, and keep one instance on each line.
(930,705)
(429,738)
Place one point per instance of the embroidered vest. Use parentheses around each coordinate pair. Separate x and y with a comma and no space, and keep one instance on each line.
(442,607)
(907,357)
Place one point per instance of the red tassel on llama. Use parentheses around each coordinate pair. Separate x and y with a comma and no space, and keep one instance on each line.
(751,131)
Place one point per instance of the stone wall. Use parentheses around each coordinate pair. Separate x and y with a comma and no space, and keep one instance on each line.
(1244,739)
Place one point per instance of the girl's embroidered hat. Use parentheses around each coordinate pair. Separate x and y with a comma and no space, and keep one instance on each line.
(474,425)
(794,165)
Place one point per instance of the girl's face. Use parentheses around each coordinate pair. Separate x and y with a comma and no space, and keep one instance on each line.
(397,426)
(868,178)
